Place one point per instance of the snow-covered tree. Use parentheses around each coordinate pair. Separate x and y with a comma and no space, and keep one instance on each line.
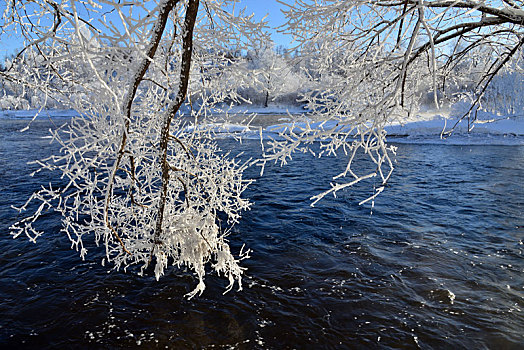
(273,76)
(144,176)
(373,61)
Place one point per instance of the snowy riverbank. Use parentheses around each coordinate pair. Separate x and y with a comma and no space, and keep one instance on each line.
(426,127)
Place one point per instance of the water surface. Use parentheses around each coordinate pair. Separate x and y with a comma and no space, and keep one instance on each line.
(438,264)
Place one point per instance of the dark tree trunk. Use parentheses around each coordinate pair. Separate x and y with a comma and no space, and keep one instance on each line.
(187,50)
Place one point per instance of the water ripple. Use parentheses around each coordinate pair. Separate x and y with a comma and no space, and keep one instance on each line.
(438,264)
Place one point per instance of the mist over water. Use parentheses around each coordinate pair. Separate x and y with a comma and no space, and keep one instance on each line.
(438,263)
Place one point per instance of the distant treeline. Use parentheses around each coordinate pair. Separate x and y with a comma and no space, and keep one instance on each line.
(270,75)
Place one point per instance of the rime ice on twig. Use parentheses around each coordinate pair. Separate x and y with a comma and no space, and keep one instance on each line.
(120,185)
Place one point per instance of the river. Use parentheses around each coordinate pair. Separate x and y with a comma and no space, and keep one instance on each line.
(437,263)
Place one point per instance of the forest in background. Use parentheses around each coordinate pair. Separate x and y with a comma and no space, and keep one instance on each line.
(275,75)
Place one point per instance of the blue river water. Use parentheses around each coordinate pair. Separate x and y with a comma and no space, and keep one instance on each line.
(437,264)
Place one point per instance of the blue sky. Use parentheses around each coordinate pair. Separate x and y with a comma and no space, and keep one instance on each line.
(8,44)
(275,17)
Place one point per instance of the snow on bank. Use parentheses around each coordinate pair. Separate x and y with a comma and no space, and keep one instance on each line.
(258,109)
(425,128)
(428,127)
(434,123)
(501,132)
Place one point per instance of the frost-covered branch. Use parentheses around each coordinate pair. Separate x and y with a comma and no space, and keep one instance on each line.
(129,78)
(375,62)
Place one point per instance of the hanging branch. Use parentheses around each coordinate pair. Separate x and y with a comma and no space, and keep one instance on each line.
(187,50)
(163,15)
(126,173)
